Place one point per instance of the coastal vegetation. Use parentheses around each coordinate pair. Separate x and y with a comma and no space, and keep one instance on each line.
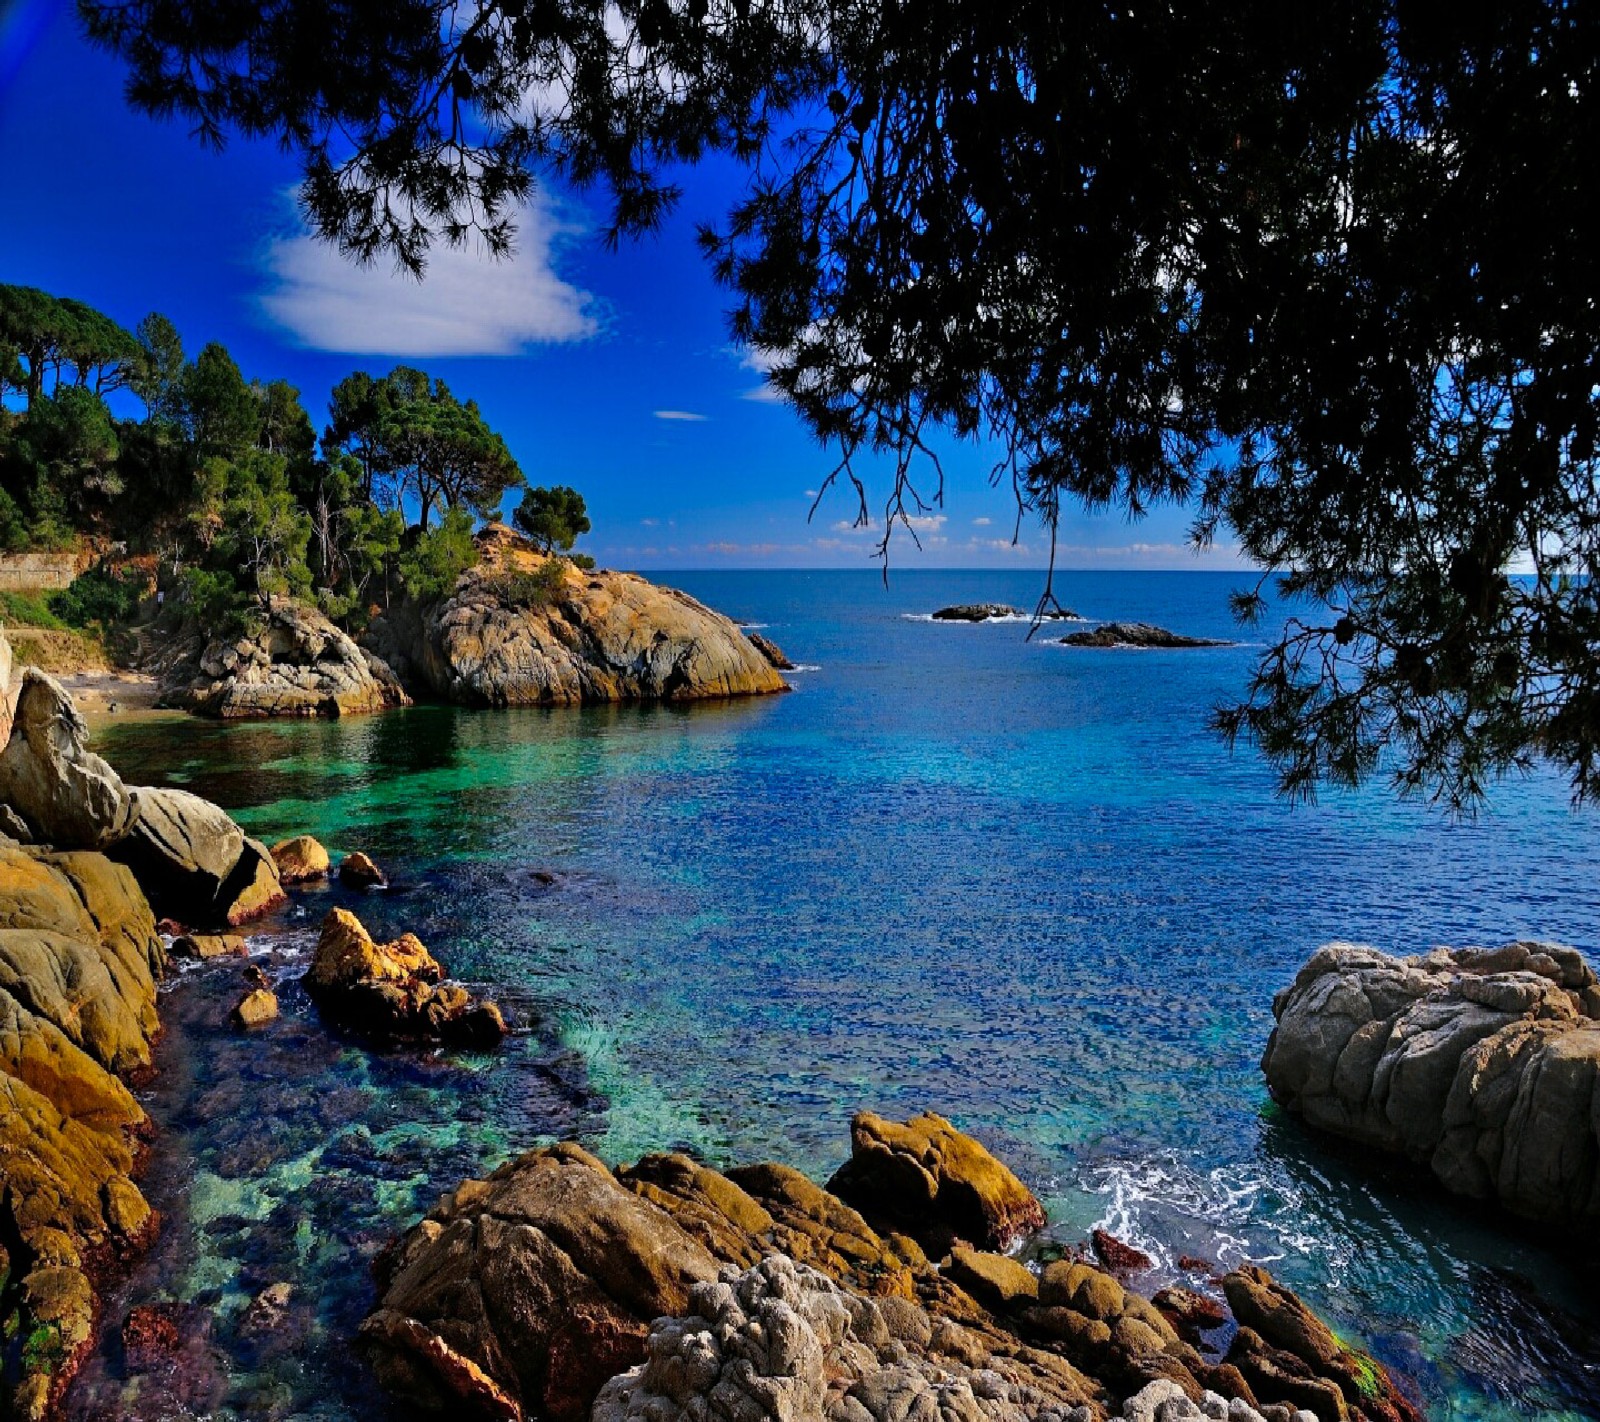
(1325,277)
(219,494)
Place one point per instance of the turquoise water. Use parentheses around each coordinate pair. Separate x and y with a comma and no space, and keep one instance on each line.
(1013,882)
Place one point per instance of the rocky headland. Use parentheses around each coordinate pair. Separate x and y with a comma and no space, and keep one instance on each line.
(521,629)
(1481,1065)
(558,1288)
(83,857)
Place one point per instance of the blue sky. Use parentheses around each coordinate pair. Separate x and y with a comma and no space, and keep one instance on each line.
(610,371)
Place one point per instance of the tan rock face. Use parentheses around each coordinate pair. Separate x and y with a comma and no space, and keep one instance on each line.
(293,663)
(1483,1065)
(300,860)
(394,989)
(929,1180)
(596,636)
(255,1008)
(79,957)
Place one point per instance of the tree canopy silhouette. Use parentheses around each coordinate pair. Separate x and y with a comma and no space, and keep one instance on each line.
(1328,273)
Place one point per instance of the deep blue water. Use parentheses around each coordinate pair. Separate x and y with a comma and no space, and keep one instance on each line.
(1017,883)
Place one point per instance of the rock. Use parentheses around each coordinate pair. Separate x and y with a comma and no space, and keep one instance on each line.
(508,637)
(356,871)
(975,612)
(995,1280)
(1118,1257)
(394,989)
(529,1289)
(1482,1065)
(267,1311)
(291,662)
(151,1336)
(195,864)
(300,860)
(79,960)
(1189,1312)
(770,650)
(8,690)
(1135,634)
(1277,1332)
(926,1179)
(64,794)
(674,1291)
(256,1007)
(780,1341)
(200,947)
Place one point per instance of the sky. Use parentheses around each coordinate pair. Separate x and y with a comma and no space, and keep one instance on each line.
(609,371)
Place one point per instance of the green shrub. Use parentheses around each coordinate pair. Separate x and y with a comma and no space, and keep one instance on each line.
(29,610)
(99,595)
(430,567)
(213,600)
(514,588)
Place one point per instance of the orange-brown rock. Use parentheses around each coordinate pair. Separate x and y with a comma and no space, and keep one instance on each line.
(300,860)
(926,1179)
(357,871)
(515,632)
(79,959)
(394,989)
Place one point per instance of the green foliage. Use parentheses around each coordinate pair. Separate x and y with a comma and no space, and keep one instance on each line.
(99,595)
(533,589)
(212,599)
(222,412)
(438,556)
(22,609)
(265,533)
(43,1350)
(43,335)
(1325,271)
(552,517)
(157,372)
(581,560)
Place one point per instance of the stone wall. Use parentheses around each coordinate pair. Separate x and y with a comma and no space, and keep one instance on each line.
(29,572)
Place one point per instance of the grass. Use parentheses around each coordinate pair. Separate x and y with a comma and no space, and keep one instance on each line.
(23,609)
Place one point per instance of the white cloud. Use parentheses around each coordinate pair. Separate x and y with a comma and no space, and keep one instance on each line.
(982,522)
(763,395)
(686,416)
(926,523)
(650,522)
(468,303)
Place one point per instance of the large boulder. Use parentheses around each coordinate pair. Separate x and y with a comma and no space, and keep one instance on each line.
(521,630)
(196,864)
(1481,1064)
(63,793)
(79,961)
(926,1179)
(300,859)
(393,989)
(291,661)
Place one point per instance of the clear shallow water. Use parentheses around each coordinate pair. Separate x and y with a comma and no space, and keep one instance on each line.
(1014,882)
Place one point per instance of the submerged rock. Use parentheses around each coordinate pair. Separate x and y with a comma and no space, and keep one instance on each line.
(975,612)
(770,650)
(394,989)
(930,1181)
(668,1290)
(1481,1064)
(1135,634)
(300,860)
(521,631)
(292,661)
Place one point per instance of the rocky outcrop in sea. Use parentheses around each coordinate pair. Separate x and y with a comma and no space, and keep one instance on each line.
(558,1288)
(524,630)
(1136,634)
(1482,1065)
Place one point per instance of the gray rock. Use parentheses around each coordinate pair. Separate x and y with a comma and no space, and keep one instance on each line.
(66,795)
(293,662)
(781,1341)
(1135,634)
(1483,1065)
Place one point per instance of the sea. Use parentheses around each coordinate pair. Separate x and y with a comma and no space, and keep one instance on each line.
(955,869)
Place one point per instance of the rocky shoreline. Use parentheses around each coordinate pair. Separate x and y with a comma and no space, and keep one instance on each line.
(519,629)
(560,1287)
